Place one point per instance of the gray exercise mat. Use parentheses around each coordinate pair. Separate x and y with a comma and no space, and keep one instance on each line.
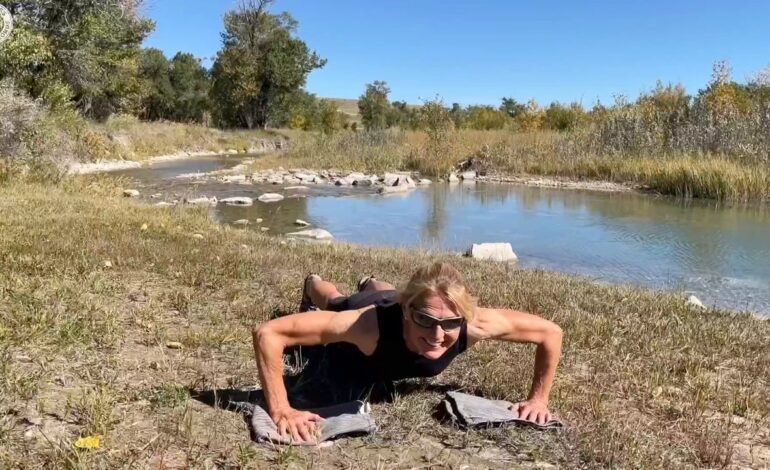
(472,411)
(346,419)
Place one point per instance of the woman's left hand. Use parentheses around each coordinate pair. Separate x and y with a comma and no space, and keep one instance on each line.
(533,410)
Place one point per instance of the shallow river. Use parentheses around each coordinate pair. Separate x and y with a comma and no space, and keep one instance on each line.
(721,254)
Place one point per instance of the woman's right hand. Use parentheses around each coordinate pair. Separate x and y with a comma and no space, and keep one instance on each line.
(300,425)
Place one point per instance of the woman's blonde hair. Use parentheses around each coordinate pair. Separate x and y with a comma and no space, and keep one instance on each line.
(440,279)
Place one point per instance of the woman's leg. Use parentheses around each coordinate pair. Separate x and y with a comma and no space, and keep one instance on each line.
(321,292)
(377,285)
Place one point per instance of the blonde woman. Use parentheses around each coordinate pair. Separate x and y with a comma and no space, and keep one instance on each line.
(360,344)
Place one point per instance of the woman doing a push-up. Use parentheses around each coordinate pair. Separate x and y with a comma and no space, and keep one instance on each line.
(360,344)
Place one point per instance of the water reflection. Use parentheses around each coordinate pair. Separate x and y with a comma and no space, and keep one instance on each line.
(720,253)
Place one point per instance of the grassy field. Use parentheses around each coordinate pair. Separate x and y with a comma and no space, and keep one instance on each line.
(536,153)
(131,139)
(94,288)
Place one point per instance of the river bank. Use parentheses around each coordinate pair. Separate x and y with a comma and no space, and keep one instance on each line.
(108,328)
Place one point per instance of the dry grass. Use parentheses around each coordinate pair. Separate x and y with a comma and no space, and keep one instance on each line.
(534,153)
(130,139)
(645,382)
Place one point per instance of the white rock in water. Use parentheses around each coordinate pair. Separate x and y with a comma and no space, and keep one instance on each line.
(295,188)
(693,301)
(468,175)
(305,176)
(270,197)
(241,222)
(238,201)
(390,179)
(314,234)
(453,178)
(493,251)
(301,223)
(424,181)
(202,200)
(394,189)
(234,179)
(130,193)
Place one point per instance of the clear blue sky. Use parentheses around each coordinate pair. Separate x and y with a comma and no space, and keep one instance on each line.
(475,52)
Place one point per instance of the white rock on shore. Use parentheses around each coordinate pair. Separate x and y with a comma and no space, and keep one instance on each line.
(130,193)
(468,175)
(238,201)
(693,301)
(493,252)
(301,223)
(313,234)
(241,222)
(270,197)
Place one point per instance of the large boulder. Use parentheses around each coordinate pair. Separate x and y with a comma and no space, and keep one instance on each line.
(390,179)
(312,234)
(493,252)
(270,197)
(468,175)
(238,201)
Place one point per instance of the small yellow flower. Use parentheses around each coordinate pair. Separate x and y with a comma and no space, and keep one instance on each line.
(89,442)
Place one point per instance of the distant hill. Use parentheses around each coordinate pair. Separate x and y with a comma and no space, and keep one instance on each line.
(349,106)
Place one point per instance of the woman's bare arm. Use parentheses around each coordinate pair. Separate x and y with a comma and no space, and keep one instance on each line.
(521,327)
(306,329)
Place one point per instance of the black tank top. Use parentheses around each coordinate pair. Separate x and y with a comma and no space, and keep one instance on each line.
(391,359)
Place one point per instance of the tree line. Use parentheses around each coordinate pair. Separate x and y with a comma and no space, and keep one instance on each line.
(87,56)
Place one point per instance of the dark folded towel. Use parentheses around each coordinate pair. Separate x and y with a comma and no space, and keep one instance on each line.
(345,419)
(472,411)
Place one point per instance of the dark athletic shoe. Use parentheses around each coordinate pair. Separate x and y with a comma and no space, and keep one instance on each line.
(306,305)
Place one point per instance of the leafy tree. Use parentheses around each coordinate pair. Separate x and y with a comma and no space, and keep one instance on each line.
(190,83)
(458,115)
(87,49)
(512,108)
(373,106)
(159,96)
(260,63)
(485,118)
(564,118)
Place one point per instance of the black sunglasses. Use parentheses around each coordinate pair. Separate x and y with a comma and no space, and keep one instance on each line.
(428,321)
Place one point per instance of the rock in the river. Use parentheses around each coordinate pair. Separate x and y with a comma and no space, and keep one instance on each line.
(313,234)
(275,179)
(270,197)
(298,188)
(693,301)
(202,200)
(390,179)
(493,251)
(468,175)
(234,179)
(241,222)
(238,201)
(394,189)
(424,181)
(130,193)
(453,178)
(301,223)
